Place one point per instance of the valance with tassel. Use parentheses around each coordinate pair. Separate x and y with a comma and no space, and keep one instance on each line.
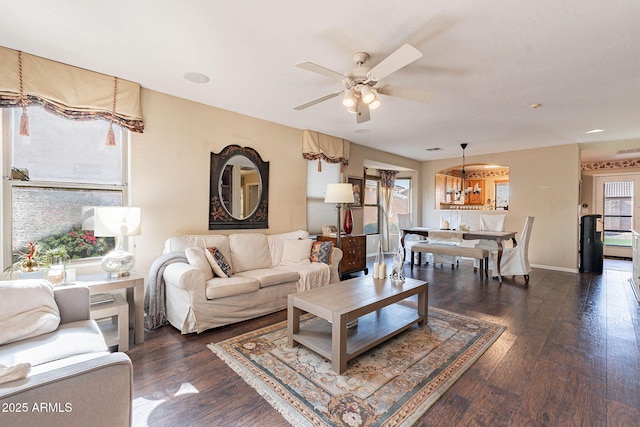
(68,91)
(318,146)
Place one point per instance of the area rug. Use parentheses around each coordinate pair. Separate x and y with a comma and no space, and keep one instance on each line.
(392,384)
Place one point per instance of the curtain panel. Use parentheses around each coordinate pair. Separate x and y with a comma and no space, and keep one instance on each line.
(68,91)
(387,182)
(317,146)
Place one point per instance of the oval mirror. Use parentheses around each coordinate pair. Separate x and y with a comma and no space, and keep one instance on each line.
(480,187)
(239,186)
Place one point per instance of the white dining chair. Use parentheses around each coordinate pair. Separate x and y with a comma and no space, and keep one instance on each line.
(515,261)
(489,223)
(404,222)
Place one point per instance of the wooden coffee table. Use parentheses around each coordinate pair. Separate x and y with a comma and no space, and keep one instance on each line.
(371,301)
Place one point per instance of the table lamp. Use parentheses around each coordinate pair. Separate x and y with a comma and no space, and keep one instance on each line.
(118,222)
(338,194)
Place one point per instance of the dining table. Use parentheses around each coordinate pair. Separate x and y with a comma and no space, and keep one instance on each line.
(498,236)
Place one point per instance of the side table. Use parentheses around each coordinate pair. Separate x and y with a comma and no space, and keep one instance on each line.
(134,285)
(119,309)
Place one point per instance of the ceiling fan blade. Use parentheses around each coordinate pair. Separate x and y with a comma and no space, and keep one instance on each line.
(310,66)
(418,95)
(317,101)
(404,56)
(362,115)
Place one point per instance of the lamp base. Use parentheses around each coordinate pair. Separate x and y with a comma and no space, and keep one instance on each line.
(118,263)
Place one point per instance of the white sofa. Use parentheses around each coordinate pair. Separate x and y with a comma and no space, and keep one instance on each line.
(266,268)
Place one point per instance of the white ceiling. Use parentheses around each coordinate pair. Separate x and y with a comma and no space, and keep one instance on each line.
(487,61)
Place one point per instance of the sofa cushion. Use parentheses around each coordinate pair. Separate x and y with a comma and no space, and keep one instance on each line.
(196,256)
(270,276)
(70,339)
(249,251)
(321,252)
(296,252)
(27,309)
(180,243)
(220,287)
(276,243)
(218,262)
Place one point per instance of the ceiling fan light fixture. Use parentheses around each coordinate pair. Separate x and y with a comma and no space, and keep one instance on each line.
(353,109)
(374,104)
(367,94)
(349,99)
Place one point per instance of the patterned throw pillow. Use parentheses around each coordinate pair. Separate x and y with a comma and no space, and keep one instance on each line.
(321,252)
(218,262)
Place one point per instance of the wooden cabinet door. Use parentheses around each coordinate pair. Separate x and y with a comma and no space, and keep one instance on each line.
(476,199)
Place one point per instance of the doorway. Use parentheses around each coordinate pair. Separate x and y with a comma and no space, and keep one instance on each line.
(617,198)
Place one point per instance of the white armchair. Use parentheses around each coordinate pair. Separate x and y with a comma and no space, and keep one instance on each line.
(515,261)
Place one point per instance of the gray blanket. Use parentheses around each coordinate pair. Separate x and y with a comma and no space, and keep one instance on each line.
(154,299)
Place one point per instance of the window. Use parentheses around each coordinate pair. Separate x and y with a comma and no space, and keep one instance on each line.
(502,195)
(371,208)
(401,202)
(618,213)
(319,212)
(70,169)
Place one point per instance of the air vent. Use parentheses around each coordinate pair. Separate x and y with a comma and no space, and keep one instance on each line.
(434,149)
(629,151)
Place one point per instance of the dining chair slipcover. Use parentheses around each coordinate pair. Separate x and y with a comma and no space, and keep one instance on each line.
(404,222)
(515,261)
(489,223)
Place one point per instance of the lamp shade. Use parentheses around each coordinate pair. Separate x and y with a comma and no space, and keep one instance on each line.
(339,193)
(117,221)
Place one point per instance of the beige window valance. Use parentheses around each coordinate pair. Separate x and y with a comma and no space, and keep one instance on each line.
(318,146)
(69,91)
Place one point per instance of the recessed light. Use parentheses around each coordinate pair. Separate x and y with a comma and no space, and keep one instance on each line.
(362,131)
(595,131)
(195,77)
(536,105)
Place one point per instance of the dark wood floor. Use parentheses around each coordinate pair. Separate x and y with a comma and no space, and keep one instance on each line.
(570,357)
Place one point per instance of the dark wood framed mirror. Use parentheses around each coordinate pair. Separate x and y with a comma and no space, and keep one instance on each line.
(238,189)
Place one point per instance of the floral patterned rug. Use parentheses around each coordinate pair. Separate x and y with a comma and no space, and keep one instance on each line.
(392,384)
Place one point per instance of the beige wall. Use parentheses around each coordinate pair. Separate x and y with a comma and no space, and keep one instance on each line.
(170,169)
(361,154)
(544,183)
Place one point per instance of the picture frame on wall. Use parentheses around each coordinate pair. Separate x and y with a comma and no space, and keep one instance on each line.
(358,190)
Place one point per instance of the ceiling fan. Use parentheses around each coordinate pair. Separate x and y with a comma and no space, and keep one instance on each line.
(361,90)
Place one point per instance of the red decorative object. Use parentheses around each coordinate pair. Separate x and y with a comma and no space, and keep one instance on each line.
(348,222)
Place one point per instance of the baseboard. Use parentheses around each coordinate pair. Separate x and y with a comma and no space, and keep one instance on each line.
(555,268)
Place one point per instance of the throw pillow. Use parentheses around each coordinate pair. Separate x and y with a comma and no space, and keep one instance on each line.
(219,264)
(27,309)
(296,252)
(321,252)
(196,256)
